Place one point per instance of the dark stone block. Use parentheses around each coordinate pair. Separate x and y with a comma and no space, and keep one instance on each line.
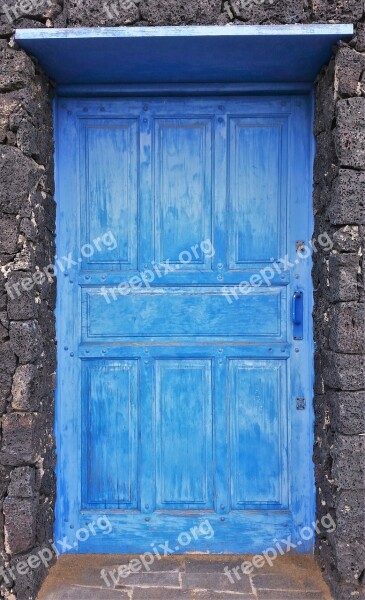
(46,251)
(93,13)
(321,195)
(27,15)
(21,439)
(325,100)
(8,234)
(343,271)
(22,484)
(27,585)
(4,333)
(347,412)
(21,296)
(350,113)
(347,592)
(350,516)
(5,389)
(25,340)
(344,371)
(33,135)
(28,229)
(347,239)
(2,290)
(170,12)
(25,260)
(258,11)
(325,159)
(25,396)
(348,462)
(7,358)
(4,320)
(7,106)
(19,175)
(349,68)
(20,524)
(49,208)
(347,328)
(360,37)
(47,482)
(351,559)
(348,204)
(45,521)
(342,12)
(16,68)
(4,481)
(350,132)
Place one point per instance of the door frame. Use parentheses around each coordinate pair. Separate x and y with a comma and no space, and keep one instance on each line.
(65,353)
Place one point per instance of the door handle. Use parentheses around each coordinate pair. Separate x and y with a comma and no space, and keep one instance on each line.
(297,314)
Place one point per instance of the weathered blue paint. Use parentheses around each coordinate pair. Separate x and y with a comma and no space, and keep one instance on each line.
(178,89)
(238,53)
(175,405)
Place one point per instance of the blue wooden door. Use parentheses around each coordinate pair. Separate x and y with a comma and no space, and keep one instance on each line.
(180,379)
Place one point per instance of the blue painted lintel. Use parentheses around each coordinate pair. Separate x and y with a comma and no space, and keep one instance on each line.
(197,54)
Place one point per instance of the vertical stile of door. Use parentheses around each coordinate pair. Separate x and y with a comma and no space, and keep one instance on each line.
(147,437)
(300,376)
(221,431)
(145,218)
(147,425)
(68,402)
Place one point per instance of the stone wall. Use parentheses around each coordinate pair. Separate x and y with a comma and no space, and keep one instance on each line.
(27,328)
(339,206)
(27,223)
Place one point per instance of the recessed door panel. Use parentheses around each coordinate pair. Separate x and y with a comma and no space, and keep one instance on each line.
(110,434)
(184,313)
(183,191)
(109,193)
(184,421)
(258,423)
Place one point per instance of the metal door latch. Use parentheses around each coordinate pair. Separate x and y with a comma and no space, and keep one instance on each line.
(297,314)
(300,403)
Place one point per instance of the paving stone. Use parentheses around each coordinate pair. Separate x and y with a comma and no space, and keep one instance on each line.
(86,593)
(218,582)
(279,581)
(211,565)
(167,563)
(156,579)
(288,595)
(222,596)
(161,594)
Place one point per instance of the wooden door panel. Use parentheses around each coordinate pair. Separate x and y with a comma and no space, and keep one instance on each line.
(257,189)
(109,192)
(183,192)
(110,446)
(258,421)
(184,441)
(178,313)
